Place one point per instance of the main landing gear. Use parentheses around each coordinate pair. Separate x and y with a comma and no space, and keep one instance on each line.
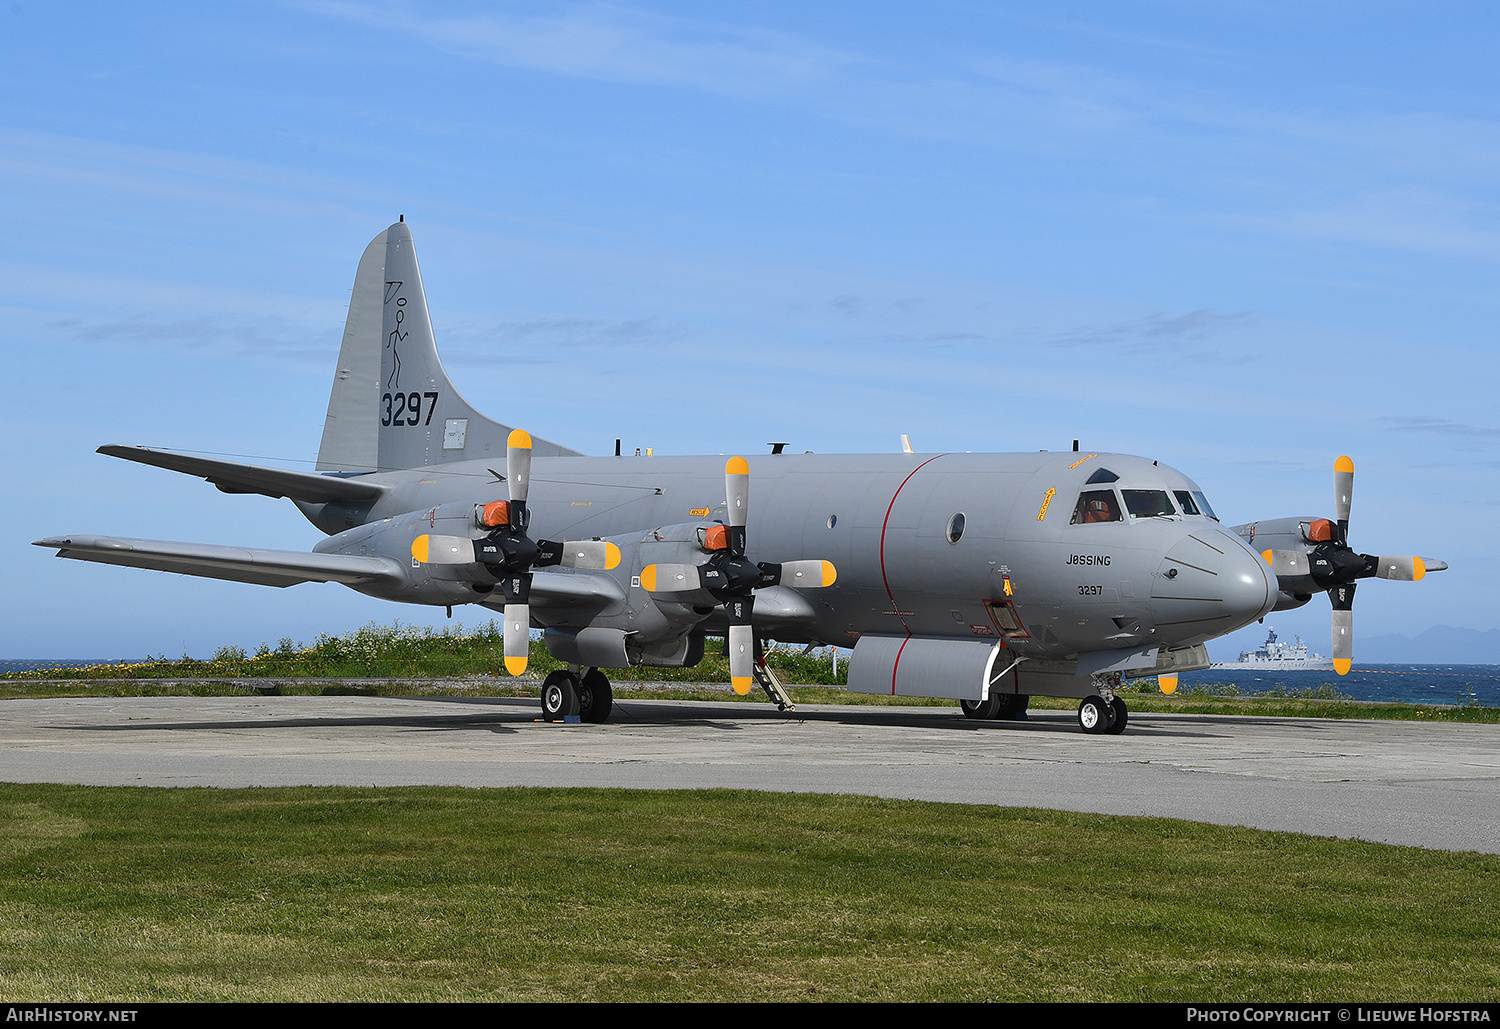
(1002,706)
(1097,715)
(589,698)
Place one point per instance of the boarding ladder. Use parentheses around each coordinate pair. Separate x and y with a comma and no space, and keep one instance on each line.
(772,685)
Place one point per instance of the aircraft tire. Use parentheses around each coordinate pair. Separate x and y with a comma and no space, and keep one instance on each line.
(595,696)
(559,696)
(986,709)
(1121,717)
(1094,715)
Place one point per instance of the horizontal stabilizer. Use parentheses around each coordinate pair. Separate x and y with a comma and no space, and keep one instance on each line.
(237,564)
(234,477)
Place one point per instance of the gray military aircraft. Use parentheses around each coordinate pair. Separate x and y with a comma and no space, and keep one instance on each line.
(984,578)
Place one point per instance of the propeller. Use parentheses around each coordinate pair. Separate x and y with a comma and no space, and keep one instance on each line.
(1332,565)
(509,554)
(731,578)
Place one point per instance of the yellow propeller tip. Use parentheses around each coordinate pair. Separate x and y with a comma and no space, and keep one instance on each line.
(1418,569)
(520,438)
(515,665)
(830,573)
(611,556)
(741,685)
(1342,665)
(737,466)
(648,578)
(1343,464)
(1267,555)
(1168,683)
(419,548)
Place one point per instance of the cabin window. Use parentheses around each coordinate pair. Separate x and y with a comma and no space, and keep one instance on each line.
(956,528)
(1096,506)
(1148,503)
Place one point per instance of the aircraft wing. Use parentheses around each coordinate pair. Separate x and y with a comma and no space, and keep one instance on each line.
(578,590)
(237,564)
(234,477)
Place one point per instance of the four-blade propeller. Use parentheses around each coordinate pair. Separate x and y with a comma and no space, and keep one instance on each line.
(1330,564)
(509,554)
(730,578)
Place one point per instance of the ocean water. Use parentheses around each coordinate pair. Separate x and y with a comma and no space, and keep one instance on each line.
(1418,684)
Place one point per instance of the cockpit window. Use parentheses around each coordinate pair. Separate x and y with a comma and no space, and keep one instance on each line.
(1096,506)
(1102,475)
(1203,503)
(1185,501)
(1148,503)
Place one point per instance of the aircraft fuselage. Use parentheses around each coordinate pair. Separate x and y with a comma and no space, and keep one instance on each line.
(982,545)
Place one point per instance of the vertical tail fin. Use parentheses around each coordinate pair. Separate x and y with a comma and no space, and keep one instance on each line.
(392,405)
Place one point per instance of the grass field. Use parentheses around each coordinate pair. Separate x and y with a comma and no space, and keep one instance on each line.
(449,894)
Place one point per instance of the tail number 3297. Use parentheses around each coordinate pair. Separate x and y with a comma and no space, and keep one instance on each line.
(406,408)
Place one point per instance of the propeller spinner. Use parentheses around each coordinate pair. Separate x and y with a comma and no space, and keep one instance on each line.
(731,578)
(1333,566)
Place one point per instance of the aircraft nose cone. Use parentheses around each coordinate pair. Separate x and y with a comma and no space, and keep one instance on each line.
(1209,583)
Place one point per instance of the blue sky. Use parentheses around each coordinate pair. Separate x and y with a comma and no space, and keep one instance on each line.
(1238,238)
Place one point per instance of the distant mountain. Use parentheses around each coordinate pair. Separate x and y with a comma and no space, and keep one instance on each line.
(1439,645)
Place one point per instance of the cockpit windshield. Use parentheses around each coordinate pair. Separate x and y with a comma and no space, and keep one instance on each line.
(1194,503)
(1096,506)
(1148,503)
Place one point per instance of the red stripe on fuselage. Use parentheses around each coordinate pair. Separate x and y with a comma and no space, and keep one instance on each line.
(889,508)
(896,664)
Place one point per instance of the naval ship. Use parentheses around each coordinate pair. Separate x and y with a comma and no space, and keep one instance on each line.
(1286,656)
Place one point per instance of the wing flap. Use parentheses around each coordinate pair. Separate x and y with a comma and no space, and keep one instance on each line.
(237,564)
(235,477)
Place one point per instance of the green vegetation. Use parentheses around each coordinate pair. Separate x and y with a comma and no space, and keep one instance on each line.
(324,894)
(408,652)
(405,660)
